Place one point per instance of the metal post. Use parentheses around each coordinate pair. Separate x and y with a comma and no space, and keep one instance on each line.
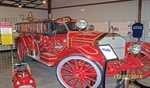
(49,8)
(126,82)
(12,57)
(104,72)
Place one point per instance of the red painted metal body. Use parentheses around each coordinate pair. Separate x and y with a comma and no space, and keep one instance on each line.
(51,49)
(22,77)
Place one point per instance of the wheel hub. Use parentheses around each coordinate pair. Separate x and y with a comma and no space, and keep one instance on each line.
(78,74)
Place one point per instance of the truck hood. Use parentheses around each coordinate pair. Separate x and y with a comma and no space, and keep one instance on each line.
(88,35)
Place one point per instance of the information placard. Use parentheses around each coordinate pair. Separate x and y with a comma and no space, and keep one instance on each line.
(6,33)
(108,52)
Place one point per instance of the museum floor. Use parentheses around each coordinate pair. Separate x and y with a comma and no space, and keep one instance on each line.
(45,77)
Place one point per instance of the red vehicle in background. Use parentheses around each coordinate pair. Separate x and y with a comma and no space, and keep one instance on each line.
(70,45)
(22,77)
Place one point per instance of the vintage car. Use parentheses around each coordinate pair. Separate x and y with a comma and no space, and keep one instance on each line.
(73,47)
(22,77)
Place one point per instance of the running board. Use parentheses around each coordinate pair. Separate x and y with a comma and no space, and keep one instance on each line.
(48,59)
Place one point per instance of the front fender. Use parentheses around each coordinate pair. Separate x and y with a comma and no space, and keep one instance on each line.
(91,52)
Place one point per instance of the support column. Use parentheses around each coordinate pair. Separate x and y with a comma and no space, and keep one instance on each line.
(49,8)
(139,10)
(139,13)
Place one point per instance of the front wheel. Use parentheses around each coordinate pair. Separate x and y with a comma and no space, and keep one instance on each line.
(77,71)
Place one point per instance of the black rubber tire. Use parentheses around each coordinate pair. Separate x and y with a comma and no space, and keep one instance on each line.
(140,85)
(21,51)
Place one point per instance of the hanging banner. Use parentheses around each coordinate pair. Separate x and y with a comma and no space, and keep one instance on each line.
(6,33)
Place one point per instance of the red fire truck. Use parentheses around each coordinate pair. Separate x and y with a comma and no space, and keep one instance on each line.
(70,45)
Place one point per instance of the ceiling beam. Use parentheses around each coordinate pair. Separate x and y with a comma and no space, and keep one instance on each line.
(29,2)
(9,5)
(37,5)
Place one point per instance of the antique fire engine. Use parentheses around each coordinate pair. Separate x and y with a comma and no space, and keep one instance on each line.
(70,45)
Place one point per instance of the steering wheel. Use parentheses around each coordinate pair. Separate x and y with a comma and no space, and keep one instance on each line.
(63,19)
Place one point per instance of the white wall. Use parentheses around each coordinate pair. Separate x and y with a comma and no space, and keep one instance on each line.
(102,12)
(146,17)
(61,3)
(107,12)
(12,12)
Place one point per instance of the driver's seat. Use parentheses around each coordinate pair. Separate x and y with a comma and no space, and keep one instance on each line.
(49,27)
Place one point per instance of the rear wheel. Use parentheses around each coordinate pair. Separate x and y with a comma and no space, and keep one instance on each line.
(21,52)
(77,71)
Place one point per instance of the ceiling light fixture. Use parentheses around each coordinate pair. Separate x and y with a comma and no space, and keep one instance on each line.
(44,1)
(19,5)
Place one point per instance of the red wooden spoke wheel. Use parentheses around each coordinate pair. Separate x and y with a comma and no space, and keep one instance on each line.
(141,72)
(79,72)
(144,70)
(21,52)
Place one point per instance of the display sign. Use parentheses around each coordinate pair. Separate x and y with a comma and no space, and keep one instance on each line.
(108,52)
(122,27)
(101,26)
(6,33)
(149,29)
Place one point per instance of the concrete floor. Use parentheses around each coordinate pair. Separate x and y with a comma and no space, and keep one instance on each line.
(45,77)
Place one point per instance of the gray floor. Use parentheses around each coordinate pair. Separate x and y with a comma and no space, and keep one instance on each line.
(45,77)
